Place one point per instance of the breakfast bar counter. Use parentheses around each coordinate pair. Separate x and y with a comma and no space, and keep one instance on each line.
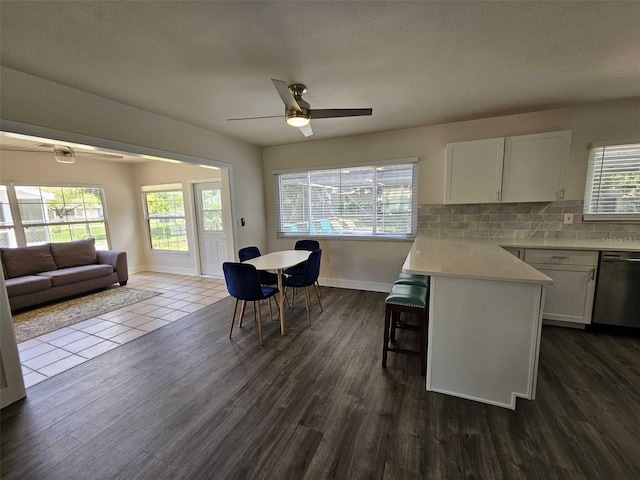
(485,319)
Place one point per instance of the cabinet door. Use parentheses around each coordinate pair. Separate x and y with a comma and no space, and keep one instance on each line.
(536,167)
(570,298)
(473,171)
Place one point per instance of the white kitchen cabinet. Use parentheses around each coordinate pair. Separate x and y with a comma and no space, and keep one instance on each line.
(570,298)
(525,168)
(473,171)
(536,167)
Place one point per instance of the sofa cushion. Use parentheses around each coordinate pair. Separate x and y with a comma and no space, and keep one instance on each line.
(67,276)
(27,260)
(74,254)
(26,285)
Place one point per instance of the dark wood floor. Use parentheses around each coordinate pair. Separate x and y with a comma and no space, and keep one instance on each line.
(186,402)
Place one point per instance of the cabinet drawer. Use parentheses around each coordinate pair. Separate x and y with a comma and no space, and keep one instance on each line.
(561,257)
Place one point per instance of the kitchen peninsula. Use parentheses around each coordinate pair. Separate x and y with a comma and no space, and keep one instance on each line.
(485,319)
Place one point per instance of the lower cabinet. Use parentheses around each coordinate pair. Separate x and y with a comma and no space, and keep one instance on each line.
(570,298)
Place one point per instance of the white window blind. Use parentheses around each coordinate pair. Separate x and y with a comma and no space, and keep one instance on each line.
(366,201)
(613,183)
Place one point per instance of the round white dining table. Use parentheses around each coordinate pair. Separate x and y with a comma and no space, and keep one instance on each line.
(278,261)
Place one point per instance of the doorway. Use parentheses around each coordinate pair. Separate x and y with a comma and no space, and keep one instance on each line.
(210,223)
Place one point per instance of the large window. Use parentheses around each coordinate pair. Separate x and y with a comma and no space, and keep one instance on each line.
(166,220)
(32,215)
(613,183)
(370,201)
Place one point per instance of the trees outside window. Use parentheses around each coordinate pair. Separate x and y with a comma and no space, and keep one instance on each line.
(33,215)
(166,220)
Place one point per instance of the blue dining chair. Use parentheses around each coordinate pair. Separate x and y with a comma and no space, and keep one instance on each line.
(299,269)
(243,283)
(308,278)
(247,253)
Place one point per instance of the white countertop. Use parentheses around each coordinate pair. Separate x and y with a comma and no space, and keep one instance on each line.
(484,257)
(629,244)
(468,258)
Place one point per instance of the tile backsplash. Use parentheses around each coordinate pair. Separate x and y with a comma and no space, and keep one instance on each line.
(517,220)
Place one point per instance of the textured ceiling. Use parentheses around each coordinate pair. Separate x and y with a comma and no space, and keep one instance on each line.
(414,63)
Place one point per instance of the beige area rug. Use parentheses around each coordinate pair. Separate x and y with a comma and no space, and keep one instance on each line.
(41,320)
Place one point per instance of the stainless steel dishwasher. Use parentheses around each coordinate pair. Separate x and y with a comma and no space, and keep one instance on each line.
(618,290)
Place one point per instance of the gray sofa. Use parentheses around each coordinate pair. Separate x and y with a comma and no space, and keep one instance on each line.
(39,274)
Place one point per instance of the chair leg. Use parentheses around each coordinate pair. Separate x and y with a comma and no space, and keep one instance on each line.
(318,289)
(270,309)
(315,289)
(307,303)
(242,308)
(233,318)
(260,323)
(255,318)
(387,327)
(293,297)
(395,316)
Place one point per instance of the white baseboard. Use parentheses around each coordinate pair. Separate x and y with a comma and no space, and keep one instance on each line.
(355,285)
(153,268)
(557,323)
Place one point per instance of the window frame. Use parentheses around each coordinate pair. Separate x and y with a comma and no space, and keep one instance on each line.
(591,190)
(20,225)
(150,189)
(411,162)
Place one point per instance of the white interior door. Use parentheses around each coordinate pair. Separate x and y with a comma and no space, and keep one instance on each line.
(212,239)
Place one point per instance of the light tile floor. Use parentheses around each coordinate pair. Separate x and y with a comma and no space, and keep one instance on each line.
(53,353)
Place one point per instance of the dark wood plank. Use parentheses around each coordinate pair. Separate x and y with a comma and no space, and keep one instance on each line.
(185,402)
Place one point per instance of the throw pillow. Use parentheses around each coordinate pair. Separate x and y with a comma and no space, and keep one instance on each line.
(74,254)
(27,260)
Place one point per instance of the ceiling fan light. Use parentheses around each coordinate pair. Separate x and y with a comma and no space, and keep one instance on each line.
(64,154)
(297,119)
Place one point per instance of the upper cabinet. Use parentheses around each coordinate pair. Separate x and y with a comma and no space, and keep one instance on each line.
(473,171)
(525,168)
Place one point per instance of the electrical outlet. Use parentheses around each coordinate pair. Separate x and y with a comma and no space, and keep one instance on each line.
(568,218)
(333,263)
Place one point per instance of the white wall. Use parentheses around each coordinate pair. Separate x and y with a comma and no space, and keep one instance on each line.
(159,173)
(32,101)
(116,179)
(361,264)
(122,185)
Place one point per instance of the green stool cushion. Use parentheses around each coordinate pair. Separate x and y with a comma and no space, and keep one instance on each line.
(408,296)
(412,279)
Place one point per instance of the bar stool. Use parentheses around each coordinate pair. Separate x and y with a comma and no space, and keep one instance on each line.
(412,279)
(410,299)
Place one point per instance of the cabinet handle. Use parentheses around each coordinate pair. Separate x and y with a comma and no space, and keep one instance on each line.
(560,257)
(593,274)
(560,194)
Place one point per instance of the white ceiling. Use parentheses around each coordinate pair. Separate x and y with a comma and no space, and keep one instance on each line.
(414,63)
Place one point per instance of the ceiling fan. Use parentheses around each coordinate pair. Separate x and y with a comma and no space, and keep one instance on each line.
(64,153)
(299,113)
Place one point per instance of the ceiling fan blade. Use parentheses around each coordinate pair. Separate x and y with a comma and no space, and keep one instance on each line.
(340,112)
(94,154)
(306,130)
(285,95)
(255,118)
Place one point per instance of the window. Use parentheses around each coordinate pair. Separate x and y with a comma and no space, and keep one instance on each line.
(61,214)
(166,221)
(613,182)
(32,215)
(370,201)
(7,227)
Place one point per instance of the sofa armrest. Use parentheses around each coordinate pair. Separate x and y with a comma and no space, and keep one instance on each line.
(118,260)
